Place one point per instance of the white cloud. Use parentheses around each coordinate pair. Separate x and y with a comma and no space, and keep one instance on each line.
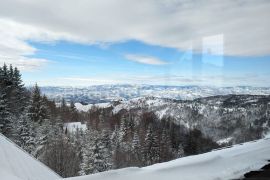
(14,48)
(145,59)
(24,64)
(170,23)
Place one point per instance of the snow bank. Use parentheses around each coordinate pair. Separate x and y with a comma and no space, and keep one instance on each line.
(220,164)
(15,164)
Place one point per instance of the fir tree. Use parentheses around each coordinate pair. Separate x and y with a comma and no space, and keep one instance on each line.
(37,111)
(136,150)
(5,122)
(151,147)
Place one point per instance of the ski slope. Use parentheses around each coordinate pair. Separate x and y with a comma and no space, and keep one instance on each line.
(15,164)
(223,164)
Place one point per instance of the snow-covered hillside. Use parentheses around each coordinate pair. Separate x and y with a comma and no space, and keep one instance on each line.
(221,164)
(85,108)
(15,164)
(109,93)
(219,117)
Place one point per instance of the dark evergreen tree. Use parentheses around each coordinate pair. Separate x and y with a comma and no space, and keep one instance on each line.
(151,147)
(5,121)
(37,111)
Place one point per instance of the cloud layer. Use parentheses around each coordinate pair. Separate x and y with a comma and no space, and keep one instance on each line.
(145,59)
(180,24)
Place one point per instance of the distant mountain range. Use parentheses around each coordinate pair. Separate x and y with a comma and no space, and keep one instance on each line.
(109,93)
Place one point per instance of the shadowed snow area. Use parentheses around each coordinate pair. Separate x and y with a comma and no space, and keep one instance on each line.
(15,164)
(219,164)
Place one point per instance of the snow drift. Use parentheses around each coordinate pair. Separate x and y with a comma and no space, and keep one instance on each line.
(220,164)
(15,164)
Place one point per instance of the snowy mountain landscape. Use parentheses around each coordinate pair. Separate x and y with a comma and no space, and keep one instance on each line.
(134,90)
(162,137)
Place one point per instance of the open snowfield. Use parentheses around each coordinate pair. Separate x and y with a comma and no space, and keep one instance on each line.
(72,127)
(221,164)
(15,164)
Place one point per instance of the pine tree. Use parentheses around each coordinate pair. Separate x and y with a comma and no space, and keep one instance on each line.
(99,158)
(136,150)
(87,153)
(18,97)
(165,147)
(5,122)
(73,112)
(123,130)
(26,134)
(151,147)
(37,111)
(64,111)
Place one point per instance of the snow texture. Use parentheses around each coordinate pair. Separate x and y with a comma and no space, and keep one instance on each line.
(15,164)
(72,127)
(228,163)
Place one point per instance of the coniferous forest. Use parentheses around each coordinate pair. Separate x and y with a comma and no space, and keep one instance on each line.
(111,141)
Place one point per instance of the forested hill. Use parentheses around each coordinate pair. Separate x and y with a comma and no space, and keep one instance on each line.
(228,119)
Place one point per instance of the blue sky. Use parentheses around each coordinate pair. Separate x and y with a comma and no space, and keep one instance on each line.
(84,65)
(163,42)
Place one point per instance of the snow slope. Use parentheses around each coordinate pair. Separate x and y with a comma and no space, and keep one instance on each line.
(220,164)
(15,164)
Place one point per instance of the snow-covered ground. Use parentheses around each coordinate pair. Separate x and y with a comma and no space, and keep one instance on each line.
(74,126)
(15,164)
(221,164)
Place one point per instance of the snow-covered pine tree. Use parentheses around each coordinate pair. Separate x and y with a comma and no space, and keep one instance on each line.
(87,154)
(165,145)
(37,110)
(19,97)
(26,134)
(151,147)
(99,158)
(123,129)
(106,148)
(136,150)
(5,122)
